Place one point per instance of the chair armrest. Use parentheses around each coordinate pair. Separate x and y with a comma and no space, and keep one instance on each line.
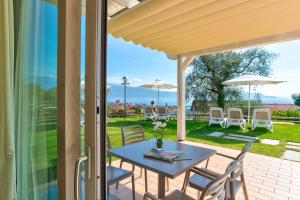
(202,173)
(148,195)
(227,156)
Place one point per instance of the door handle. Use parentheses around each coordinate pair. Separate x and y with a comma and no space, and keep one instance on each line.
(79,162)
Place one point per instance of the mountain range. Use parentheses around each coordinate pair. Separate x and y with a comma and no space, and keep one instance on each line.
(145,95)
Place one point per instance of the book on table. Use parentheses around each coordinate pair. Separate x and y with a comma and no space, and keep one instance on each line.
(168,156)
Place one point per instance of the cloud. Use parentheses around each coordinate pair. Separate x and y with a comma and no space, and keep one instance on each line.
(116,80)
(135,82)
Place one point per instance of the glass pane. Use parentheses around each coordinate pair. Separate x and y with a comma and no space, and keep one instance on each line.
(82,96)
(35,100)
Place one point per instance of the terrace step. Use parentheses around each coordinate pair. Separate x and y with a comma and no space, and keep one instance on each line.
(239,138)
(243,136)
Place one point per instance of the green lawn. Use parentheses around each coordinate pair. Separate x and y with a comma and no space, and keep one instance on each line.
(197,131)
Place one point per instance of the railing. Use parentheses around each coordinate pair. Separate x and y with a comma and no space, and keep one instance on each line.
(172,110)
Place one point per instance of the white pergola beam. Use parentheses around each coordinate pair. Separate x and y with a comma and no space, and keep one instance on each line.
(182,63)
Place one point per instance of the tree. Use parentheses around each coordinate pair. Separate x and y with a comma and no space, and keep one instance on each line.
(207,73)
(296,98)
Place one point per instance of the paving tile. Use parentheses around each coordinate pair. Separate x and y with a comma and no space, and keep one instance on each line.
(293,143)
(244,136)
(238,138)
(291,155)
(270,142)
(216,134)
(267,178)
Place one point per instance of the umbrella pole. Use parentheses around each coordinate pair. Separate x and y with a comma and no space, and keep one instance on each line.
(158,94)
(249,102)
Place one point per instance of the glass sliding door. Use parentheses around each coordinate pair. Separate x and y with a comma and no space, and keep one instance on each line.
(95,100)
(35,94)
(82,98)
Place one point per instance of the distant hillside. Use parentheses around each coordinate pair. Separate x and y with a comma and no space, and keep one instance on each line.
(269,99)
(141,95)
(144,95)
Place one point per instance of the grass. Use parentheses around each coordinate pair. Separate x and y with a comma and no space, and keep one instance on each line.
(196,131)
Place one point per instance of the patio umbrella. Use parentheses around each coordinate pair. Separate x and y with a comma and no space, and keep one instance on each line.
(251,80)
(159,84)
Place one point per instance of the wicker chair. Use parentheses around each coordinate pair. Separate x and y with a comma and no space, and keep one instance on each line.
(114,174)
(236,180)
(133,134)
(214,190)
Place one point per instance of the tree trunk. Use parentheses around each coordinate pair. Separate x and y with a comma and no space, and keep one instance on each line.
(221,97)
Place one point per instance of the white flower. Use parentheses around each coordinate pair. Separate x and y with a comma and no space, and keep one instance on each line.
(159,125)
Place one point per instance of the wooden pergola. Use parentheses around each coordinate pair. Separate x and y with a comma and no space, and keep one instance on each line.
(186,28)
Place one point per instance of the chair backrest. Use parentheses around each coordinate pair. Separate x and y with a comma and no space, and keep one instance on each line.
(240,158)
(245,149)
(148,110)
(216,112)
(262,114)
(132,134)
(216,189)
(108,146)
(235,113)
(162,110)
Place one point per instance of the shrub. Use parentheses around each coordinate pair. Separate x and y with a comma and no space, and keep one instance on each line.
(286,113)
(118,108)
(244,105)
(135,108)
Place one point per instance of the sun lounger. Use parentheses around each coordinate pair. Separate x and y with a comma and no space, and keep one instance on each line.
(235,117)
(216,116)
(262,118)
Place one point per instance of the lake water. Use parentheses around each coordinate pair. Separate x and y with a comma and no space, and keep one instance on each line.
(145,96)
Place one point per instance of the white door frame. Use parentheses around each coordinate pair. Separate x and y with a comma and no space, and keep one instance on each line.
(95,98)
(68,96)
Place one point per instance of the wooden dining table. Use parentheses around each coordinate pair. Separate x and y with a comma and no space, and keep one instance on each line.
(134,154)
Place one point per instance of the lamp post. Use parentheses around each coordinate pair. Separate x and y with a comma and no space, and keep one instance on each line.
(125,83)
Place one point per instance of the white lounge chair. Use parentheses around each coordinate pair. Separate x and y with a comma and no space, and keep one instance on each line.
(262,118)
(216,116)
(148,113)
(235,117)
(172,112)
(162,113)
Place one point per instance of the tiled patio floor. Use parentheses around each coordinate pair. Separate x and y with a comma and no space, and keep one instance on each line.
(266,177)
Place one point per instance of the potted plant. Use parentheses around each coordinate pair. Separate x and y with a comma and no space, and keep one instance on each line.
(158,127)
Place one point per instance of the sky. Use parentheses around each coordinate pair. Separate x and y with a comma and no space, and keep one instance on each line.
(140,65)
(285,67)
(143,65)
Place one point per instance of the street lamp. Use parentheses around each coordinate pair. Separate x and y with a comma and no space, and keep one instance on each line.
(125,83)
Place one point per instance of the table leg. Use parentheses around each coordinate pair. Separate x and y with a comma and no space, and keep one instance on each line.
(161,186)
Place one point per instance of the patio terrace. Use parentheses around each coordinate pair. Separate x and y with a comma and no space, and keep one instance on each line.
(267,178)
